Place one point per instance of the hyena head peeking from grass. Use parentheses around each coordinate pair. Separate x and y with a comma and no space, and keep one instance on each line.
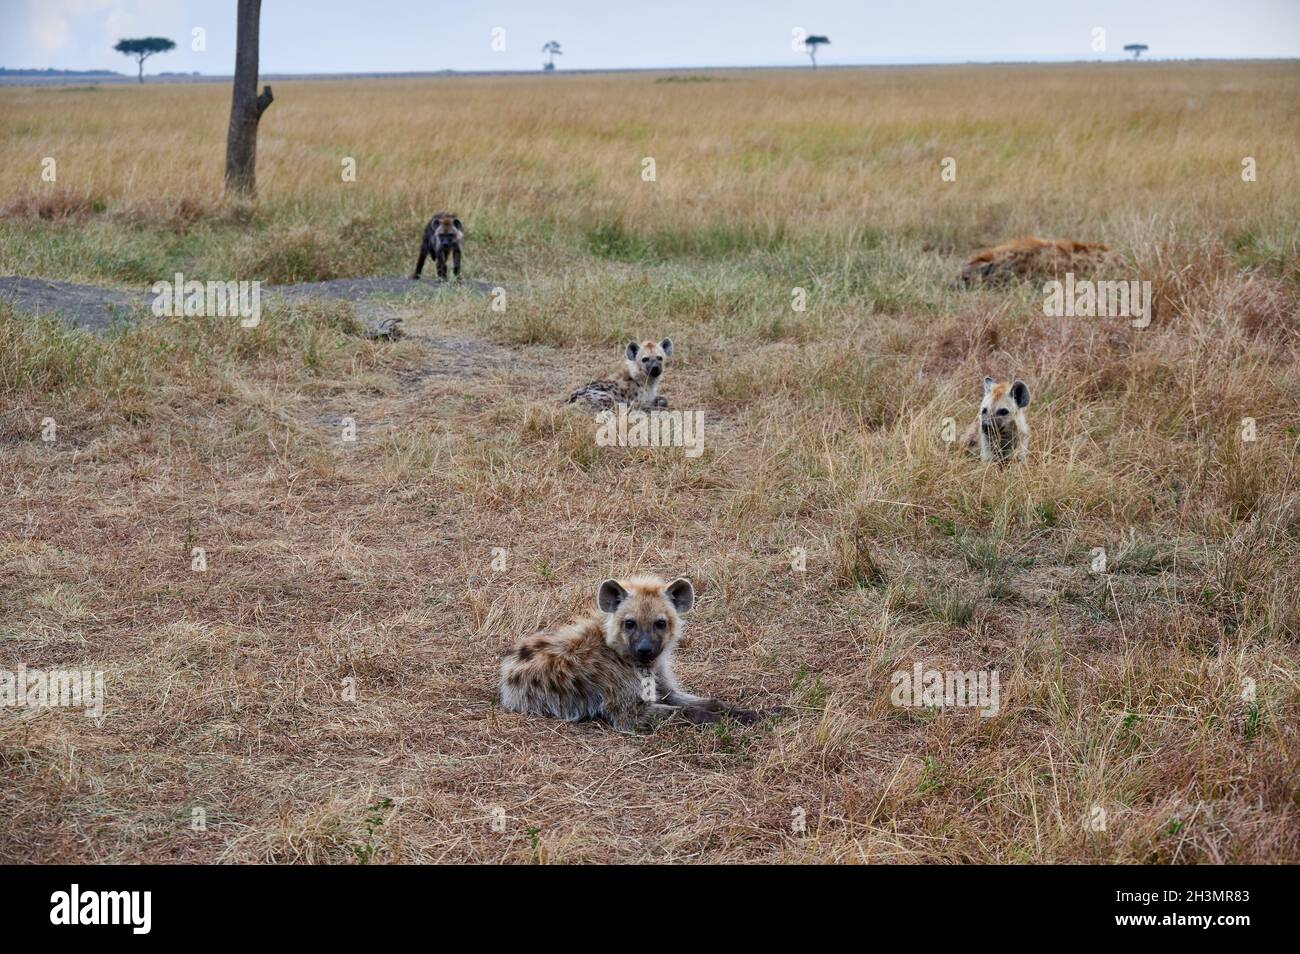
(1001,432)
(646,361)
(642,615)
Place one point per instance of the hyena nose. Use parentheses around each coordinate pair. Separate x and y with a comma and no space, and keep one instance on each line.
(655,370)
(644,650)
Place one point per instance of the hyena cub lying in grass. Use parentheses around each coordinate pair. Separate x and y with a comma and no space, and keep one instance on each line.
(637,385)
(615,665)
(442,237)
(1001,432)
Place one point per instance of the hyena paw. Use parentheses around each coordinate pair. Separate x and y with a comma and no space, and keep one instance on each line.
(659,402)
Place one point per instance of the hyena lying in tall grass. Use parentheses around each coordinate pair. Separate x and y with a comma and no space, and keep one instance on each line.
(615,664)
(1028,257)
(1001,432)
(636,386)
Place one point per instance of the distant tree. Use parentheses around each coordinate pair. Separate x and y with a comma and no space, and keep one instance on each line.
(246,107)
(812,43)
(1137,49)
(553,50)
(143,48)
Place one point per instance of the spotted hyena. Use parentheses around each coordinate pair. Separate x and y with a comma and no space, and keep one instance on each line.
(442,237)
(1027,257)
(1001,432)
(637,385)
(614,664)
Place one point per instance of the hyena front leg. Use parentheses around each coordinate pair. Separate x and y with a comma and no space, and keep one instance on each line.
(648,716)
(706,710)
(419,266)
(440,256)
(657,712)
(639,716)
(455,259)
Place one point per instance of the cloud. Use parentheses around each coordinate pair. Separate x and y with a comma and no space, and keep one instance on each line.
(49,21)
(51,24)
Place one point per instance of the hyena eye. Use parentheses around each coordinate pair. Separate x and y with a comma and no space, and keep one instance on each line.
(629,624)
(1002,412)
(661,624)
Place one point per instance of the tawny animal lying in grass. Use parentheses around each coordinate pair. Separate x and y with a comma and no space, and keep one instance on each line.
(615,664)
(638,383)
(1001,432)
(1029,257)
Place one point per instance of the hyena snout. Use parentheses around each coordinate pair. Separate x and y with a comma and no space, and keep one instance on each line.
(654,367)
(643,644)
(1000,422)
(645,649)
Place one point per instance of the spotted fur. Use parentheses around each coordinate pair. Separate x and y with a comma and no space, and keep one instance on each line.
(615,664)
(1027,257)
(636,386)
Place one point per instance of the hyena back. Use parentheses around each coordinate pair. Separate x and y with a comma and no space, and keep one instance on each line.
(1026,257)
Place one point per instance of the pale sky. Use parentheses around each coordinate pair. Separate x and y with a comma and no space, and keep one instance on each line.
(330,36)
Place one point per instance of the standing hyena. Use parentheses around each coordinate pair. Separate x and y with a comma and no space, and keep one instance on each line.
(442,236)
(638,384)
(1001,432)
(616,664)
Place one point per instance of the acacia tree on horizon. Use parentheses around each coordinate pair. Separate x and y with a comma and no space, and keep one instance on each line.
(811,45)
(553,50)
(144,47)
(1137,49)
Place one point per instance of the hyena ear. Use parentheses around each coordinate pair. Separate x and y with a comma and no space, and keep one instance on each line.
(459,227)
(1020,394)
(667,346)
(611,596)
(988,385)
(682,594)
(632,349)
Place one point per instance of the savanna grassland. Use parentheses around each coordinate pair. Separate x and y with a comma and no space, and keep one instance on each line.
(1160,697)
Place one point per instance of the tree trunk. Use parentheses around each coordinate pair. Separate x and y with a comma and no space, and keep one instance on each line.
(246,106)
(140,63)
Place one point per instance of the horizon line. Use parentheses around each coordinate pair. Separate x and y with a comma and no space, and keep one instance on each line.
(53,73)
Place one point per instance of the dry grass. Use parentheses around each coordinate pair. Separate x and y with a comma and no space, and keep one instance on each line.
(371,561)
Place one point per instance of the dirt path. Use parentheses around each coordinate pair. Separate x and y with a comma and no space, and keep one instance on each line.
(94,307)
